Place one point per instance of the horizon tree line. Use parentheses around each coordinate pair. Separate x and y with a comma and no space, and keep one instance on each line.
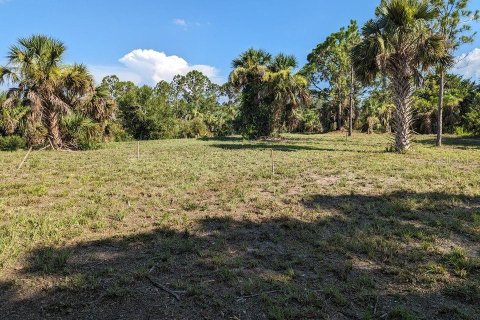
(387,76)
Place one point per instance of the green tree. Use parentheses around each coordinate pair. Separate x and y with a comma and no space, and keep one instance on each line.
(144,111)
(196,101)
(377,108)
(400,44)
(289,90)
(453,23)
(194,94)
(247,76)
(330,62)
(269,88)
(426,102)
(187,107)
(472,116)
(49,89)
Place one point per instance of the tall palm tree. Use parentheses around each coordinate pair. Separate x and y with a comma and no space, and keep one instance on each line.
(269,89)
(247,76)
(400,44)
(289,90)
(47,87)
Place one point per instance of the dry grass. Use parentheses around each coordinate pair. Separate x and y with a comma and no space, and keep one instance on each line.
(343,230)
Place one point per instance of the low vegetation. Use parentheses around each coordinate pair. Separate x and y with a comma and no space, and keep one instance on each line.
(283,199)
(342,229)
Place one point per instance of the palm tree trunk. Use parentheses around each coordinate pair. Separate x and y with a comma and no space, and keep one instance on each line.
(339,116)
(54,129)
(350,116)
(440,108)
(403,92)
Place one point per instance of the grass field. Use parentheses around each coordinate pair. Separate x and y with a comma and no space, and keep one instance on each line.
(342,230)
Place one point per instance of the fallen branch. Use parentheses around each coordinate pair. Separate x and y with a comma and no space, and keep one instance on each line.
(258,294)
(24,159)
(160,286)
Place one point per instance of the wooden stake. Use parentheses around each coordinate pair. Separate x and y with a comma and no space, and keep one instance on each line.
(138,150)
(24,159)
(273,164)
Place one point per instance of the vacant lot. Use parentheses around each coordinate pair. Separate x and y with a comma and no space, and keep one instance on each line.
(342,230)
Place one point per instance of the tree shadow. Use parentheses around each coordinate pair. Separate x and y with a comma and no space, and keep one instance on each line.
(458,142)
(286,147)
(354,257)
(265,146)
(223,139)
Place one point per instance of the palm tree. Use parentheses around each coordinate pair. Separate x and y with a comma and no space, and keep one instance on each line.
(289,90)
(250,60)
(247,76)
(47,87)
(399,44)
(34,66)
(269,89)
(100,107)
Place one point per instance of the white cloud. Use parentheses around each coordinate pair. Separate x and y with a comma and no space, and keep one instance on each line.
(186,25)
(149,67)
(152,66)
(180,22)
(468,65)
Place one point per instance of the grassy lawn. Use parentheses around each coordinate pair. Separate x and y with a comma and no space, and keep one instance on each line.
(343,230)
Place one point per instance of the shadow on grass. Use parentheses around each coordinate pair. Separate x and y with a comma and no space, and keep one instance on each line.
(458,142)
(265,146)
(224,139)
(386,257)
(286,147)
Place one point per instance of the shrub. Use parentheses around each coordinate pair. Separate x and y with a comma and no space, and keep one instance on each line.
(194,128)
(12,143)
(461,132)
(308,120)
(372,124)
(82,132)
(114,132)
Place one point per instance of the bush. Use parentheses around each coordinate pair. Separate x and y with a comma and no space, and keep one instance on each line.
(114,132)
(461,132)
(81,132)
(309,120)
(194,128)
(12,143)
(371,125)
(87,144)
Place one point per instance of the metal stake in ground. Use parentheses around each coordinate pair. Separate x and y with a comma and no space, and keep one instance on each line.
(273,164)
(273,171)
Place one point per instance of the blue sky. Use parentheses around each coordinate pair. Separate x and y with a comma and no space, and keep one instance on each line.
(147,40)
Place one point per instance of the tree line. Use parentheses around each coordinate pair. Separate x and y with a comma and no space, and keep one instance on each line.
(393,75)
